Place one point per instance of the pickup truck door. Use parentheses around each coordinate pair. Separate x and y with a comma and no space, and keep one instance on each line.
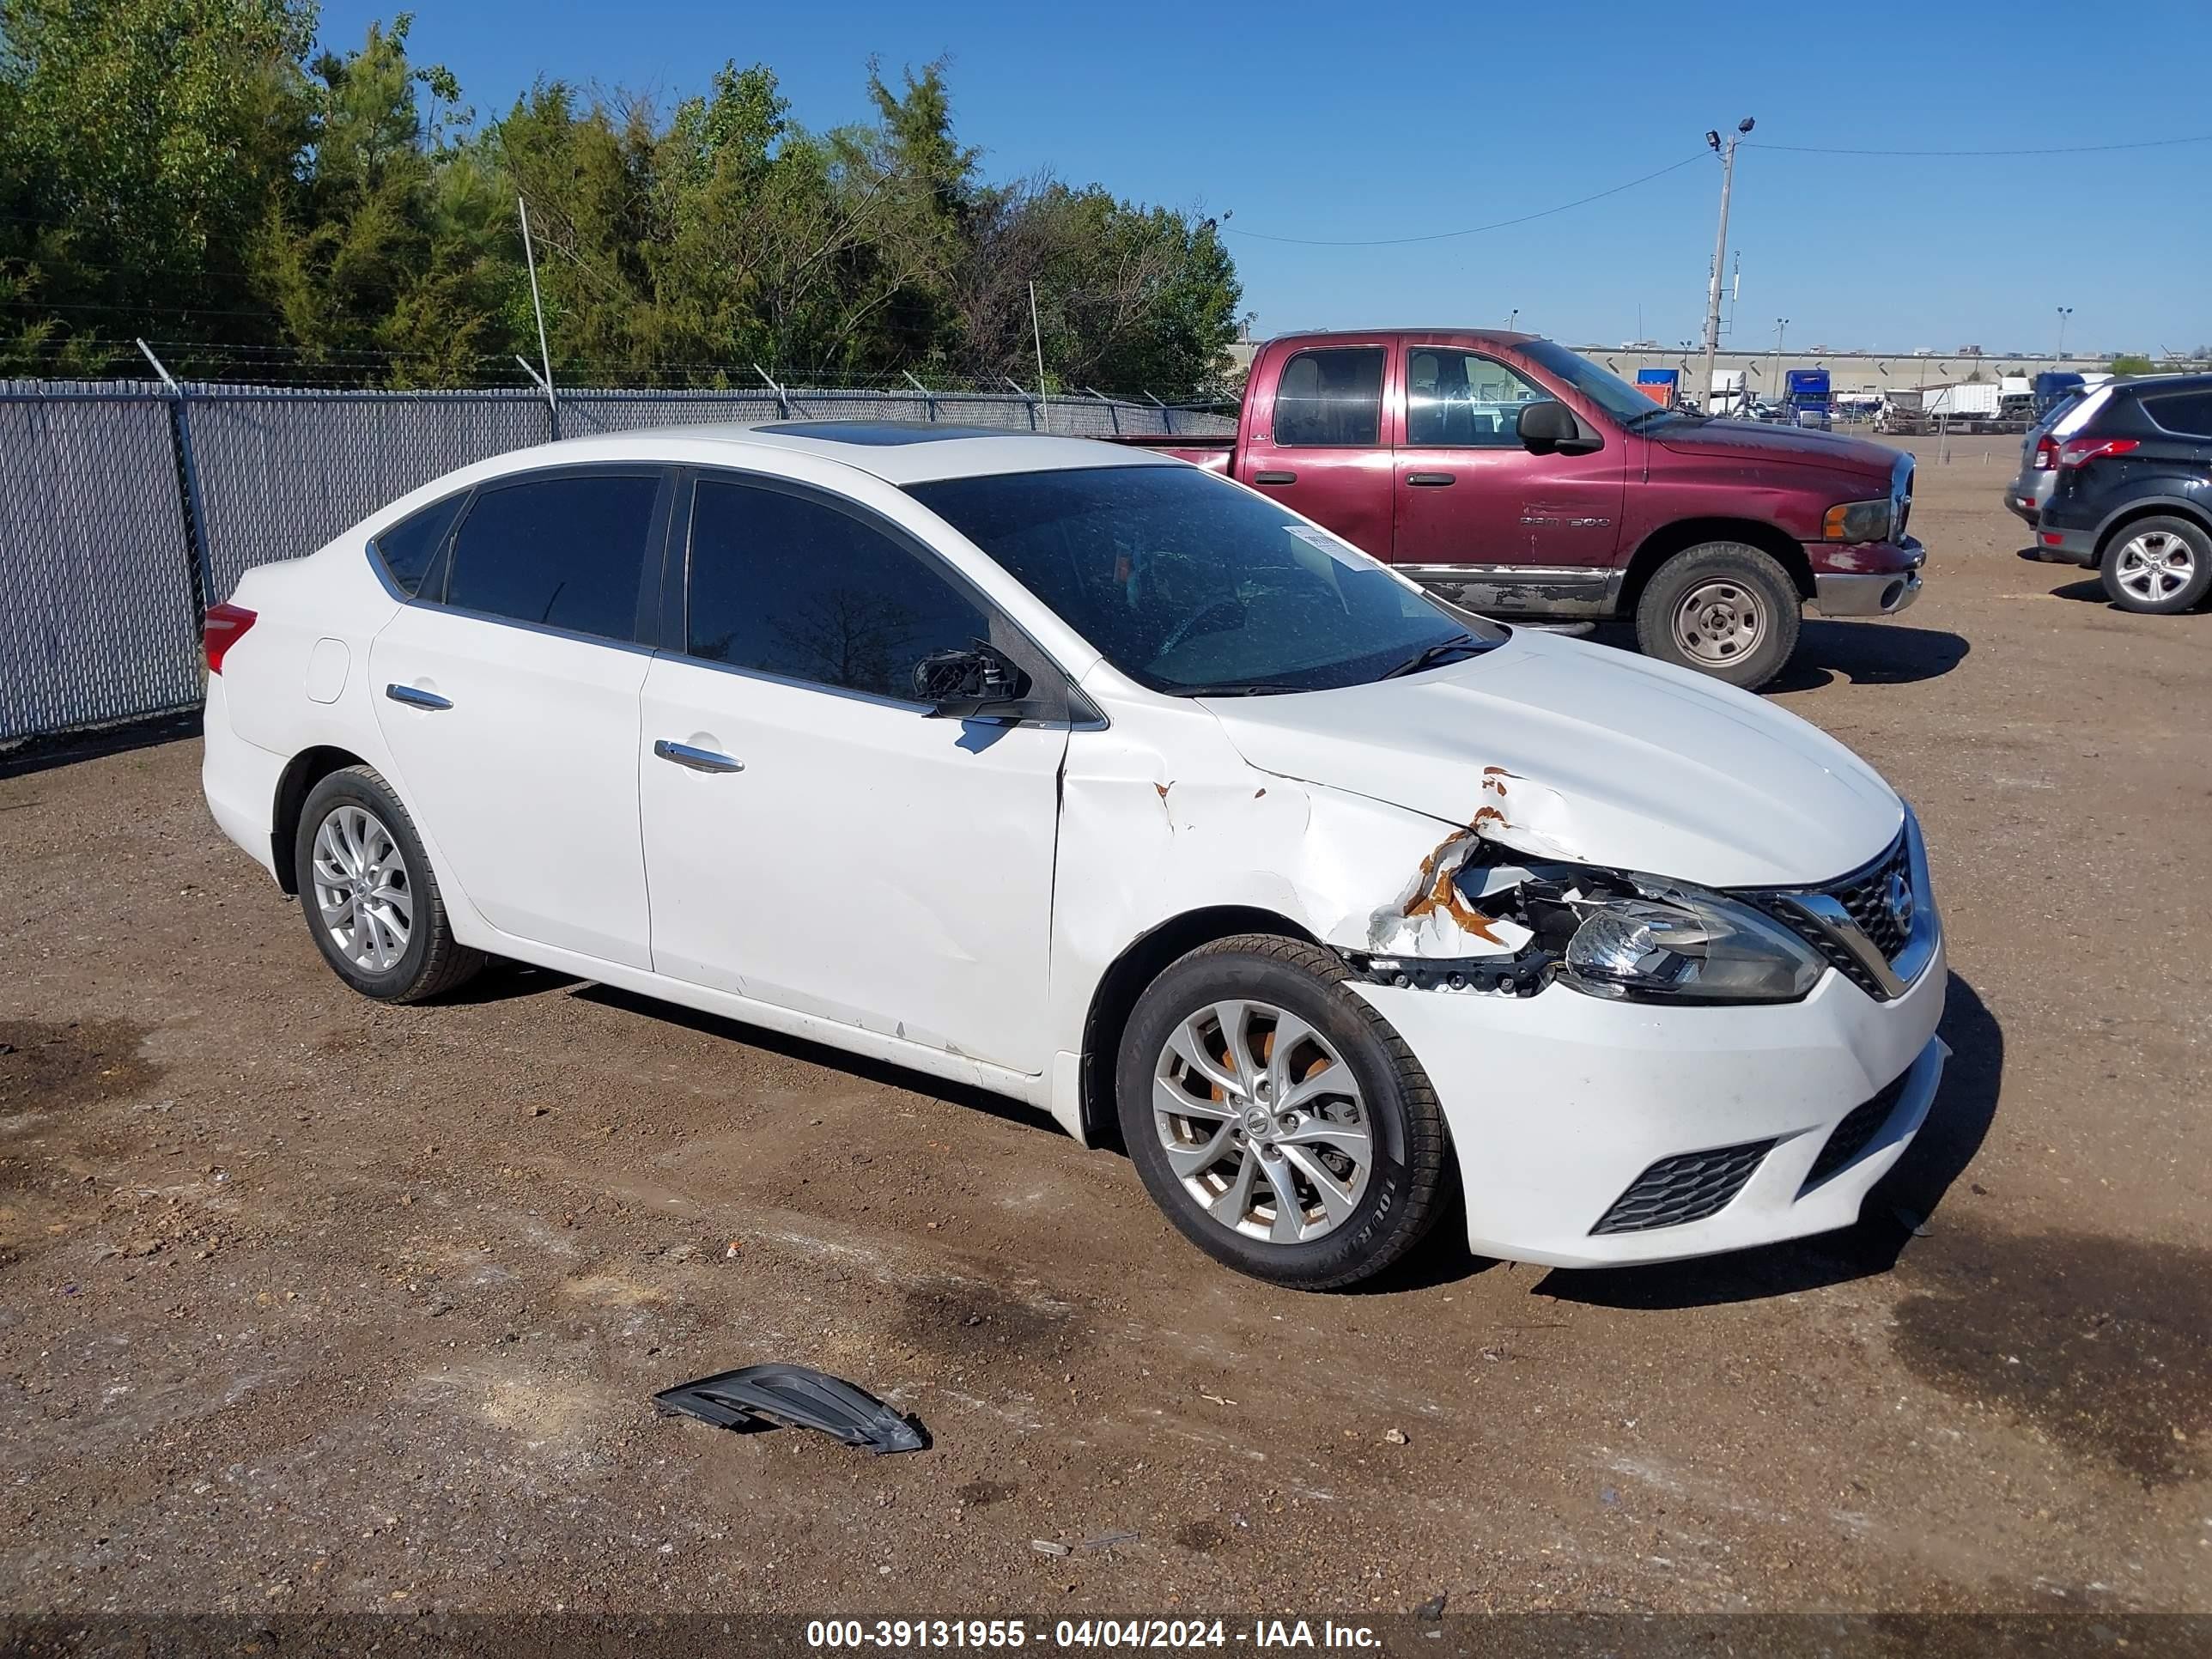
(1318,445)
(1542,530)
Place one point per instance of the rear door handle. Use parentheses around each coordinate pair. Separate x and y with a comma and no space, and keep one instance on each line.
(699,760)
(1432,480)
(1275,478)
(415,697)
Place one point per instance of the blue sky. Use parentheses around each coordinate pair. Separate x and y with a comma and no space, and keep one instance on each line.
(1371,120)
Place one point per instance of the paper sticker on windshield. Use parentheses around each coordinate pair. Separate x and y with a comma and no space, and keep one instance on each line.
(1342,551)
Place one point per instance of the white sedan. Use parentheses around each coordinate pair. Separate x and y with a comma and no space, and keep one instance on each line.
(1100,781)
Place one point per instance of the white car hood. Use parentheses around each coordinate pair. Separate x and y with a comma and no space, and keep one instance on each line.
(1565,750)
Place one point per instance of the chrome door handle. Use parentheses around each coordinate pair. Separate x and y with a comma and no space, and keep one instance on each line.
(415,697)
(1432,479)
(699,760)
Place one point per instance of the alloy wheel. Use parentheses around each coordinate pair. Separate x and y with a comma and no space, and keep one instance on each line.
(362,889)
(2154,566)
(1263,1122)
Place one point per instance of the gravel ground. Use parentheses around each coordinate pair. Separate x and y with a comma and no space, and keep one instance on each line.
(315,1305)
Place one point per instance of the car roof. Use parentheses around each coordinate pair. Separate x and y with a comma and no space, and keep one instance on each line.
(896,452)
(1442,336)
(2182,380)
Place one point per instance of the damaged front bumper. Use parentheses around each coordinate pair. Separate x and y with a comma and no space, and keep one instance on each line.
(1594,1133)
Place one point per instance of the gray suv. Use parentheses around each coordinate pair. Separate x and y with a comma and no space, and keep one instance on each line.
(2026,495)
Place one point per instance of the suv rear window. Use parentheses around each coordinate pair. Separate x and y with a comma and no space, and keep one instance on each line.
(2185,414)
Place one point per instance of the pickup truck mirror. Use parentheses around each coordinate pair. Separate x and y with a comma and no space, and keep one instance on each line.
(978,682)
(1550,425)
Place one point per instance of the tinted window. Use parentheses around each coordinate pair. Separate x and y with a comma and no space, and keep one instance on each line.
(792,586)
(562,552)
(2188,413)
(1189,585)
(410,545)
(1330,399)
(1458,399)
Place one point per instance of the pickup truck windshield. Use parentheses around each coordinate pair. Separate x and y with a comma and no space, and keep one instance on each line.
(1606,390)
(1192,587)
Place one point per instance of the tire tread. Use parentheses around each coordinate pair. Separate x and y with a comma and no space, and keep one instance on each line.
(1655,635)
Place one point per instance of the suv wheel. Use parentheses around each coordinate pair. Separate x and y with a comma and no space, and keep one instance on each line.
(369,896)
(2158,565)
(1725,609)
(1281,1123)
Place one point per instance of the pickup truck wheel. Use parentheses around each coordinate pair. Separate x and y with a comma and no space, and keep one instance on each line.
(2158,565)
(1725,609)
(1279,1119)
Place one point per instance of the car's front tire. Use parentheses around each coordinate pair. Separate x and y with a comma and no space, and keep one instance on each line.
(2159,566)
(1725,609)
(1282,1124)
(369,896)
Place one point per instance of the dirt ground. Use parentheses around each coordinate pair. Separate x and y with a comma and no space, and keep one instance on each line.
(313,1304)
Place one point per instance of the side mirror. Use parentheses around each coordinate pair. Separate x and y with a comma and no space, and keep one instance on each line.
(977,680)
(1548,425)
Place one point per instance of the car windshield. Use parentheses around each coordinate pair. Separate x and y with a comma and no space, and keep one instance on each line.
(1602,386)
(1193,586)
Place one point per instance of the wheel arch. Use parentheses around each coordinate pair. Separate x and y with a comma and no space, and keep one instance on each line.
(1115,997)
(1679,537)
(301,774)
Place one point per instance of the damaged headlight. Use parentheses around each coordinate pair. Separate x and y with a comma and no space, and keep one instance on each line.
(1675,944)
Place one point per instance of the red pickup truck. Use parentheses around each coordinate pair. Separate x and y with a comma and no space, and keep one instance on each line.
(1513,477)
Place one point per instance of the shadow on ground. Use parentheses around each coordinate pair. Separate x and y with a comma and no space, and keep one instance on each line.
(817,1054)
(1910,1193)
(1871,652)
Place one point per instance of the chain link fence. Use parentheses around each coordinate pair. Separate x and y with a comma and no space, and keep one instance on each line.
(127,507)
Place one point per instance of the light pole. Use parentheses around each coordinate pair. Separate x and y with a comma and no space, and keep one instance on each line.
(2064,312)
(1719,245)
(1780,323)
(1511,317)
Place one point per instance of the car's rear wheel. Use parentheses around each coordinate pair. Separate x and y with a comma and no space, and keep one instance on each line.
(1282,1124)
(2158,565)
(369,896)
(1726,609)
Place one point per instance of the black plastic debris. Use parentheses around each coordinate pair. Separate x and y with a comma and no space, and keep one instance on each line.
(796,1396)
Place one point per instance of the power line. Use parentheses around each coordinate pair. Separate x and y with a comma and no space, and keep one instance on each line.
(2063,150)
(1472,230)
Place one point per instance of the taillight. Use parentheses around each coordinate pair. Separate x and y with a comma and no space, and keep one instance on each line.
(225,626)
(2080,451)
(2046,452)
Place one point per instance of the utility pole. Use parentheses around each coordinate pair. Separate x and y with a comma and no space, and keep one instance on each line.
(1719,245)
(2064,312)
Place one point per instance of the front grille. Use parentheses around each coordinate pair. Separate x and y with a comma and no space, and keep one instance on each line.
(1849,1138)
(1686,1187)
(1866,895)
(1833,950)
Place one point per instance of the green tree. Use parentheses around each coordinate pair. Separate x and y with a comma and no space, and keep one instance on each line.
(194,171)
(141,142)
(2133,363)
